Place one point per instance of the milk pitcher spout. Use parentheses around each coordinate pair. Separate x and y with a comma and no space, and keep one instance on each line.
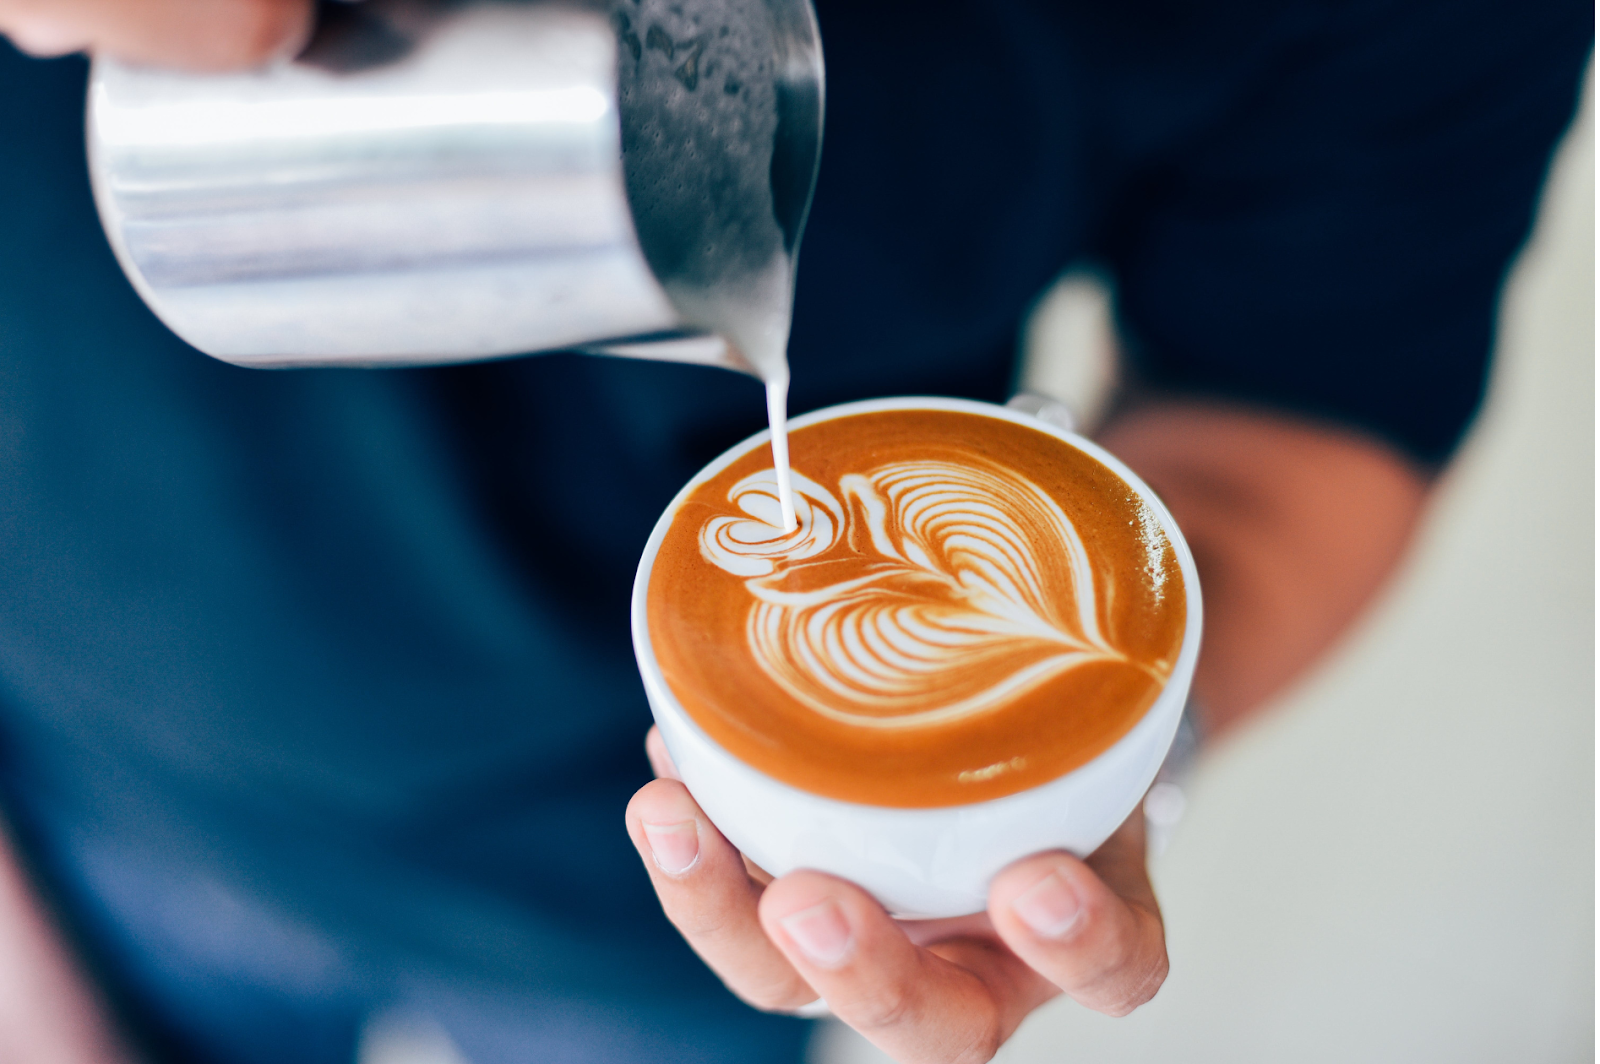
(436,181)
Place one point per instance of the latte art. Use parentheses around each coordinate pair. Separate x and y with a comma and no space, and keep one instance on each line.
(960,586)
(757,544)
(963,608)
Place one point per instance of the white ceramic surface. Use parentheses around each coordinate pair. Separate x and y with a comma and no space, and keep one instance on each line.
(917,862)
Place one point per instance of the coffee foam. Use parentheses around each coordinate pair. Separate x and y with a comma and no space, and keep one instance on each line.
(965,586)
(943,624)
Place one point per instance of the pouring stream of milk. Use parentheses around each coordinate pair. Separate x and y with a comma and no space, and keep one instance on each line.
(778,419)
(753,317)
(760,329)
(759,326)
(718,209)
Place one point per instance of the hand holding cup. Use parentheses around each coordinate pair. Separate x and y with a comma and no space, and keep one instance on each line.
(926,709)
(922,991)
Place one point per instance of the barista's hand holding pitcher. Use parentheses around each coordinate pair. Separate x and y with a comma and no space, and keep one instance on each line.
(934,991)
(185,34)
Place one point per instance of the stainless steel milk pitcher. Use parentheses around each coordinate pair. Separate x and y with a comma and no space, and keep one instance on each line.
(437,181)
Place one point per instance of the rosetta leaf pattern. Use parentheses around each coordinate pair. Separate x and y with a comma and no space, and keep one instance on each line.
(920,593)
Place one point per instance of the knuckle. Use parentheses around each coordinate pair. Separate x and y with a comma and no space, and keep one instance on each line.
(886,1007)
(1108,963)
(783,995)
(1140,992)
(700,923)
(1118,961)
(1153,982)
(1126,970)
(707,915)
(981,1050)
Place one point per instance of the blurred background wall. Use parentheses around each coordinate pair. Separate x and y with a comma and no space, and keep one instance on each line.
(1397,862)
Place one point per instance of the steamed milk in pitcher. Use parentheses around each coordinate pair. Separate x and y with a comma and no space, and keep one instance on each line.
(701,104)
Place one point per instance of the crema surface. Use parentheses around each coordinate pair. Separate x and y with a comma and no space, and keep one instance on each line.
(967,608)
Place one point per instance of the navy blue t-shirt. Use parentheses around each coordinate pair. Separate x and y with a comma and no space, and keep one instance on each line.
(316,691)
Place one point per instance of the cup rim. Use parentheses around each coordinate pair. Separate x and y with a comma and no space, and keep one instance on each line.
(656,683)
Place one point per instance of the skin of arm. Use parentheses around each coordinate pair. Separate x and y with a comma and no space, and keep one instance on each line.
(1295,527)
(49,1011)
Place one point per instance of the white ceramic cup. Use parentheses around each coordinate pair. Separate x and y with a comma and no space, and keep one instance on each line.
(932,862)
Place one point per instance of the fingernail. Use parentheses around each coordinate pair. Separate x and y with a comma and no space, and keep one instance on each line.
(1049,907)
(822,934)
(675,847)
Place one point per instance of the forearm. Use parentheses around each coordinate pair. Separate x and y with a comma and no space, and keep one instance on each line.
(1295,526)
(49,1012)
